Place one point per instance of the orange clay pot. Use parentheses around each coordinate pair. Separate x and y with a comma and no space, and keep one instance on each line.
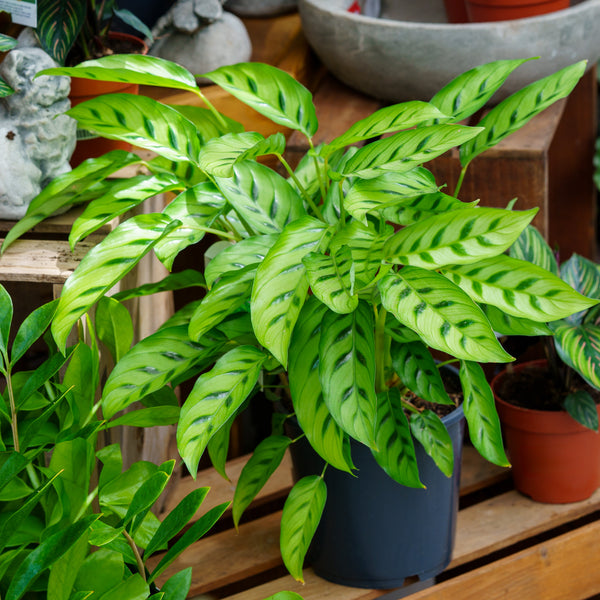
(456,11)
(505,10)
(554,458)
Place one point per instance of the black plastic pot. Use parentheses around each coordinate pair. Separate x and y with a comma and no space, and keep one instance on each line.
(374,532)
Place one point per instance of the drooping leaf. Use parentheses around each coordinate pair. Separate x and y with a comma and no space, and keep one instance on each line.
(432,434)
(579,347)
(412,210)
(114,327)
(532,247)
(441,313)
(582,275)
(505,324)
(582,407)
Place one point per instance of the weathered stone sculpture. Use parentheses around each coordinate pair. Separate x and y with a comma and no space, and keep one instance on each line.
(36,138)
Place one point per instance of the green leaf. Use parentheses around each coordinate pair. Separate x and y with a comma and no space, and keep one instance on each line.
(65,569)
(143,499)
(532,247)
(177,586)
(271,92)
(5,89)
(471,90)
(174,281)
(505,324)
(219,155)
(519,288)
(331,278)
(458,237)
(261,197)
(395,452)
(441,313)
(215,396)
(582,407)
(6,315)
(347,371)
(406,150)
(314,418)
(31,329)
(579,347)
(101,571)
(58,25)
(132,588)
(148,417)
(49,551)
(208,124)
(432,434)
(41,375)
(285,596)
(386,120)
(256,472)
(582,275)
(141,121)
(153,362)
(103,266)
(12,464)
(218,445)
(280,285)
(114,327)
(130,19)
(301,515)
(516,110)
(418,372)
(7,43)
(481,415)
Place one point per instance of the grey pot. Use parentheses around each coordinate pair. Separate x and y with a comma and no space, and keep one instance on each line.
(260,8)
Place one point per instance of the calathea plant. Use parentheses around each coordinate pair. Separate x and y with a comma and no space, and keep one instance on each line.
(336,281)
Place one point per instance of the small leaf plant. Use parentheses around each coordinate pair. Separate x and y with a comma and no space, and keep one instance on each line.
(333,281)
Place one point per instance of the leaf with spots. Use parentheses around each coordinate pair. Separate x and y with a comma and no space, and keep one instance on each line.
(516,110)
(505,324)
(519,288)
(532,247)
(271,92)
(458,237)
(582,275)
(261,197)
(579,347)
(417,370)
(58,25)
(347,371)
(314,418)
(395,452)
(301,515)
(386,191)
(582,407)
(481,415)
(208,124)
(432,434)
(265,459)
(441,313)
(153,362)
(216,395)
(281,285)
(7,43)
(5,89)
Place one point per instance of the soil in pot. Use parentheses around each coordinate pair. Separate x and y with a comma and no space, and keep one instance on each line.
(554,458)
(505,10)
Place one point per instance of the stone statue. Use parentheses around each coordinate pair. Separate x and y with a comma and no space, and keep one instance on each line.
(36,138)
(201,36)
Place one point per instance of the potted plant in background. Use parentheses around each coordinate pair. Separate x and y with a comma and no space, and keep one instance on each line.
(314,291)
(549,408)
(505,10)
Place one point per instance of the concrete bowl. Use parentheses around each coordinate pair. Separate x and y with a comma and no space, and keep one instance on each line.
(410,51)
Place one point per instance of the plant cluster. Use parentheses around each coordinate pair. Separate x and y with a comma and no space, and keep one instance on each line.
(336,281)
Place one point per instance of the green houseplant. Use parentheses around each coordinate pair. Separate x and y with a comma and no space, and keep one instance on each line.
(557,395)
(334,282)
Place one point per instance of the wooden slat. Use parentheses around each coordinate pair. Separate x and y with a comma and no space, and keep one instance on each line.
(476,473)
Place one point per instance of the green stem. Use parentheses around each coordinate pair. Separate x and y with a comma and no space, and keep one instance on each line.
(460,180)
(14,426)
(380,353)
(409,406)
(212,109)
(300,187)
(319,171)
(136,553)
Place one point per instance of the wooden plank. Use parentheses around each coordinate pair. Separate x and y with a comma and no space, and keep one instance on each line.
(476,473)
(562,567)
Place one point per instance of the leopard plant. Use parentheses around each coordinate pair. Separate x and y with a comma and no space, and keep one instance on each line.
(335,280)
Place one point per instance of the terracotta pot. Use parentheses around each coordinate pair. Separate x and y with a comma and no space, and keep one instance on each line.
(554,458)
(505,10)
(456,11)
(90,145)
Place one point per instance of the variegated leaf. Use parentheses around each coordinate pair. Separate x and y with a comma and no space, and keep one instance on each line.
(314,418)
(582,407)
(271,92)
(5,89)
(174,281)
(69,189)
(481,415)
(331,279)
(505,324)
(121,198)
(224,298)
(429,430)
(196,209)
(406,150)
(256,472)
(459,237)
(347,371)
(218,445)
(516,110)
(395,452)
(280,285)
(579,347)
(236,256)
(208,124)
(219,155)
(582,275)
(386,120)
(261,197)
(274,144)
(532,247)
(141,121)
(519,288)
(58,25)
(417,370)
(131,68)
(301,515)
(471,90)
(441,313)
(216,395)
(103,266)
(413,210)
(399,332)
(387,190)
(186,172)
(7,43)
(152,363)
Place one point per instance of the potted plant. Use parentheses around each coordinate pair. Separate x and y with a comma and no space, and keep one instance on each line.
(505,10)
(334,283)
(549,407)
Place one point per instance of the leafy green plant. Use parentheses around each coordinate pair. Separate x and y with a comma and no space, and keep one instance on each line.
(333,284)
(571,344)
(6,43)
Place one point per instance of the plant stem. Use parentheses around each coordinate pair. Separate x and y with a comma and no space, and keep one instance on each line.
(212,109)
(14,426)
(380,346)
(300,187)
(460,180)
(136,553)
(319,172)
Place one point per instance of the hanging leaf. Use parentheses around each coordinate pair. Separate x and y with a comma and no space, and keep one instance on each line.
(579,347)
(582,407)
(432,434)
